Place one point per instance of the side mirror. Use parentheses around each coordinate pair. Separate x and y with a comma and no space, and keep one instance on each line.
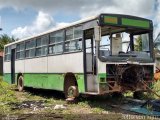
(97,33)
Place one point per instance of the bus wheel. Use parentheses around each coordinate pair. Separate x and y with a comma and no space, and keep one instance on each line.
(20,84)
(72,92)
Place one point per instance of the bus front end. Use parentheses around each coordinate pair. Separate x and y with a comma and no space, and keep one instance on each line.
(125,59)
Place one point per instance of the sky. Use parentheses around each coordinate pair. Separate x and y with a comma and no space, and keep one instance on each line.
(24,18)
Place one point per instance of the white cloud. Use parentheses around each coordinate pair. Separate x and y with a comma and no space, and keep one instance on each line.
(83,8)
(131,7)
(43,22)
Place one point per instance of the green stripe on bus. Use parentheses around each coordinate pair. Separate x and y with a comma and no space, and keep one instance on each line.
(7,77)
(135,23)
(47,80)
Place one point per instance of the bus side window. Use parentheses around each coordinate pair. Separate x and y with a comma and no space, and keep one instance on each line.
(42,45)
(30,48)
(56,42)
(7,54)
(73,40)
(20,50)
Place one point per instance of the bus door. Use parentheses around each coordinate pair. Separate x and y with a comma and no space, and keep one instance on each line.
(89,62)
(12,66)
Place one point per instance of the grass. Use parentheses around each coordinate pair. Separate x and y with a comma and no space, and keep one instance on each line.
(94,105)
(156,88)
(6,94)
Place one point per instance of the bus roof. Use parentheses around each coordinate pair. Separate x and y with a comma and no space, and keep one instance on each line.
(78,22)
(56,29)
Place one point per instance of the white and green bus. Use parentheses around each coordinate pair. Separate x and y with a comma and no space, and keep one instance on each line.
(96,55)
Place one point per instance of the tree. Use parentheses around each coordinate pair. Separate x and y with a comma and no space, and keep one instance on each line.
(5,39)
(138,44)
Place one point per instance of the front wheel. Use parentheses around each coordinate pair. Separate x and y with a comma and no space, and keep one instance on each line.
(20,84)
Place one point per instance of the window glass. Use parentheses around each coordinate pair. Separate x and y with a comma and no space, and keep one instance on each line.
(18,47)
(67,46)
(22,46)
(17,55)
(6,50)
(38,42)
(9,50)
(50,50)
(78,32)
(38,51)
(57,37)
(8,57)
(69,34)
(22,54)
(31,52)
(58,48)
(20,51)
(27,53)
(74,45)
(32,43)
(44,40)
(27,44)
(44,50)
(7,53)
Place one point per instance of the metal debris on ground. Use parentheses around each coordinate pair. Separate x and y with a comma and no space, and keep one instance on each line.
(149,107)
(60,107)
(71,100)
(35,105)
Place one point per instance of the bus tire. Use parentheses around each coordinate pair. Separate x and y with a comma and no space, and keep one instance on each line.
(20,84)
(72,92)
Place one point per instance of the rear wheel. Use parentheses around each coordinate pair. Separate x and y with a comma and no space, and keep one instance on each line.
(20,84)
(72,92)
(70,89)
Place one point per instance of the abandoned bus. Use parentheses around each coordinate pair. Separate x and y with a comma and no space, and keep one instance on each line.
(103,54)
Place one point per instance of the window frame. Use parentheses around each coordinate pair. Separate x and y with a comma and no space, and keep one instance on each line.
(8,53)
(75,39)
(42,45)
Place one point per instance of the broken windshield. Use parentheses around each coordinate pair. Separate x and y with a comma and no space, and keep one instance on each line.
(124,46)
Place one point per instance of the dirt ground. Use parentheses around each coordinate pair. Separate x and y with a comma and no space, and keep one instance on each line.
(40,104)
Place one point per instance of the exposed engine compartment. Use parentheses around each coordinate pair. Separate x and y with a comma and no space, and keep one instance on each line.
(129,76)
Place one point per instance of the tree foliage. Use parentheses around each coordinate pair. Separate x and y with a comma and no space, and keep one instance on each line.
(5,39)
(138,44)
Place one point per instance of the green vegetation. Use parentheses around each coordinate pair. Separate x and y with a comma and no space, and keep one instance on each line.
(5,39)
(33,103)
(138,44)
(6,93)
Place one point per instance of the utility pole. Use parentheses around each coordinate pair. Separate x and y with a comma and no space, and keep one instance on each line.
(0,23)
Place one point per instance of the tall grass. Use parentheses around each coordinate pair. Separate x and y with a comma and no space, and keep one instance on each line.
(6,94)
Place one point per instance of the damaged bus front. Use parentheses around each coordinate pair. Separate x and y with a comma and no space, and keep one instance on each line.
(125,53)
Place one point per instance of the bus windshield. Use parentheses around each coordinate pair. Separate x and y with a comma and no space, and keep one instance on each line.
(125,46)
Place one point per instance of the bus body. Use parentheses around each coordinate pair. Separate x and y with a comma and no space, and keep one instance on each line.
(97,55)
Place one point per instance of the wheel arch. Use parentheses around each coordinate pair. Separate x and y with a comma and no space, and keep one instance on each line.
(69,78)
